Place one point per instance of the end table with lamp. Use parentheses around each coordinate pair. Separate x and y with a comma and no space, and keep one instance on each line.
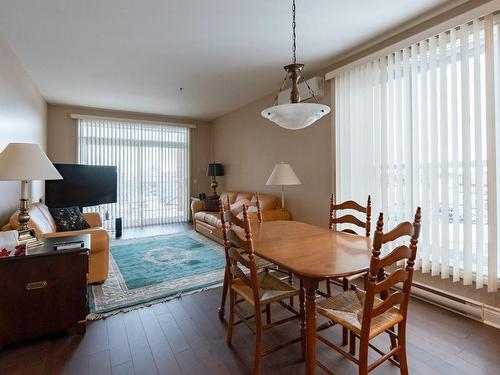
(26,162)
(215,170)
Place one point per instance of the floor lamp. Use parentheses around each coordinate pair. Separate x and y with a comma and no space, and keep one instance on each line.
(282,175)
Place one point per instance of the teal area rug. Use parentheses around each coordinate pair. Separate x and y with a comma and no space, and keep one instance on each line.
(145,271)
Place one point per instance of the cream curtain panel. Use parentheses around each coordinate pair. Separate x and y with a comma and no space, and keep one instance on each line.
(153,168)
(420,127)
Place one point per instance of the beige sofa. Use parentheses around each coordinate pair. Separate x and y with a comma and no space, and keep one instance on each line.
(208,223)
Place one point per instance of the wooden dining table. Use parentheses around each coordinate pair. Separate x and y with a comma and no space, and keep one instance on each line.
(312,254)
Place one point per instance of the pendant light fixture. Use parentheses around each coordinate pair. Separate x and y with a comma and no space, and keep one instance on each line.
(295,115)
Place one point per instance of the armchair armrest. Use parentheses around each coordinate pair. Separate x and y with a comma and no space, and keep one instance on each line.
(197,206)
(99,238)
(93,219)
(276,214)
(6,227)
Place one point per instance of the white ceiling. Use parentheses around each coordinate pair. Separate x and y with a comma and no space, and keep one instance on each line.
(135,54)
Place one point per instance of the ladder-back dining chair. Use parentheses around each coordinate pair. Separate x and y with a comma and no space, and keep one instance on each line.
(349,219)
(367,316)
(335,220)
(236,220)
(258,287)
(235,215)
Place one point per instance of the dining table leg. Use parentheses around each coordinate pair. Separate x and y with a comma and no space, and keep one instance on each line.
(310,286)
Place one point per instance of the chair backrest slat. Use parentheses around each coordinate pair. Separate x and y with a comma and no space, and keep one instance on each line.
(403,229)
(394,299)
(399,253)
(350,205)
(397,276)
(350,219)
(235,239)
(231,217)
(239,257)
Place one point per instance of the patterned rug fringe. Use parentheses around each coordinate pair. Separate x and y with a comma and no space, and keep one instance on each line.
(98,316)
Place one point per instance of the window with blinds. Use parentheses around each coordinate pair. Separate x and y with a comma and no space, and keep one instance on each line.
(152,161)
(420,127)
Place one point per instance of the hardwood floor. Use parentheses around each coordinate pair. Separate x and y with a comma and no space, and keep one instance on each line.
(185,336)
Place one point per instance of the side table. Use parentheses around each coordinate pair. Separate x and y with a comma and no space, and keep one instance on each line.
(44,291)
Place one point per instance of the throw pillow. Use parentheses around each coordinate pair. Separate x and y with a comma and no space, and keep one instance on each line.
(211,205)
(68,219)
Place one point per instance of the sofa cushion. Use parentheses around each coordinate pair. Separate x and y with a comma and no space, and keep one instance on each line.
(230,194)
(210,218)
(267,201)
(68,219)
(243,195)
(238,205)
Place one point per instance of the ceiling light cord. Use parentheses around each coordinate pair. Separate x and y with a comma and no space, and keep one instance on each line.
(294,35)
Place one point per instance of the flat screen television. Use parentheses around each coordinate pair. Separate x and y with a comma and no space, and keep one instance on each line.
(82,186)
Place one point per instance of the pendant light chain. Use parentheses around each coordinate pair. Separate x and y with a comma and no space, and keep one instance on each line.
(294,35)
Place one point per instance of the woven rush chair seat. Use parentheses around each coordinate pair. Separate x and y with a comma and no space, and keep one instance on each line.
(271,289)
(347,310)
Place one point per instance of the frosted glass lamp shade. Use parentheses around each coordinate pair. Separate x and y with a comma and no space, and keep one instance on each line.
(283,174)
(26,162)
(295,115)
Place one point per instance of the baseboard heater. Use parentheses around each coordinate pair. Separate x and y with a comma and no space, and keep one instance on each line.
(458,304)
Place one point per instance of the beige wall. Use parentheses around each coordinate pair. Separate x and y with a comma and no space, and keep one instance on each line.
(22,119)
(62,138)
(249,146)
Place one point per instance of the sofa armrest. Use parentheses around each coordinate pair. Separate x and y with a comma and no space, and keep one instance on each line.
(99,237)
(276,214)
(93,219)
(197,206)
(6,227)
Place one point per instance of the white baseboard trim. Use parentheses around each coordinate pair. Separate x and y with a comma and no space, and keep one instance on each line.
(491,316)
(461,305)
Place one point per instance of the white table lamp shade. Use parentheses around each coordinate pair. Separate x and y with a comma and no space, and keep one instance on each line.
(283,174)
(26,162)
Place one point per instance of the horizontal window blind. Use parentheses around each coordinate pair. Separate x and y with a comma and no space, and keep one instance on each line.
(420,127)
(153,168)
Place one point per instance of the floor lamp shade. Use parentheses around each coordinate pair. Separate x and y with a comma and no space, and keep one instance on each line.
(282,175)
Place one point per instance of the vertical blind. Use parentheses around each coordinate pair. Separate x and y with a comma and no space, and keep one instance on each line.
(152,163)
(420,127)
